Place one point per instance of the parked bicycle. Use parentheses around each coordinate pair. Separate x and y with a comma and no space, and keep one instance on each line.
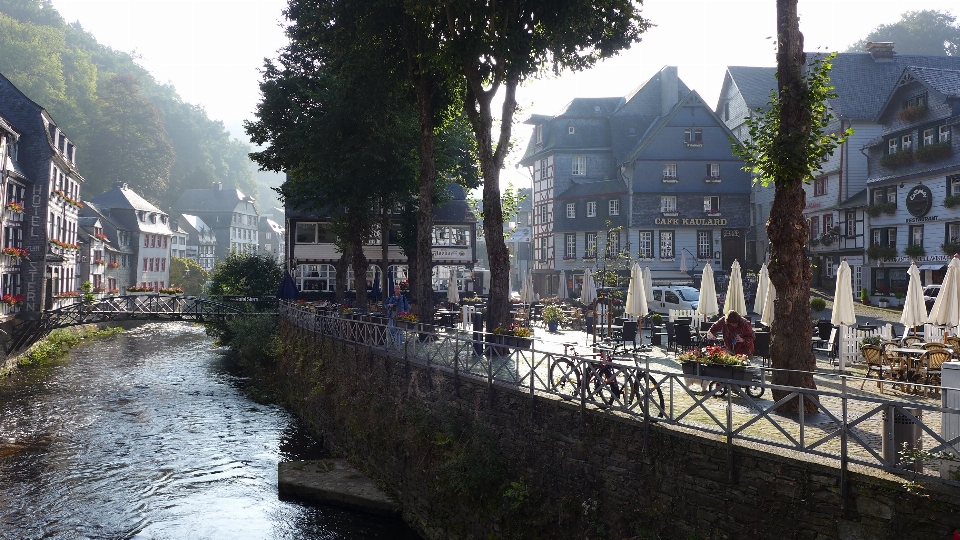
(606,383)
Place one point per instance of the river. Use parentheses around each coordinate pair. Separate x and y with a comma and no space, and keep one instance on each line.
(148,435)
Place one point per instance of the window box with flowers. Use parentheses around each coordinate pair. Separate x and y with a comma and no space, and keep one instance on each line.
(71,201)
(99,289)
(137,289)
(113,264)
(952,247)
(101,236)
(912,114)
(914,251)
(113,291)
(14,252)
(64,245)
(174,291)
(888,208)
(12,299)
(897,159)
(569,257)
(68,294)
(99,261)
(16,208)
(933,152)
(880,253)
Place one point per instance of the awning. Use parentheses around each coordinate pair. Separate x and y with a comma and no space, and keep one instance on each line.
(670,275)
(933,267)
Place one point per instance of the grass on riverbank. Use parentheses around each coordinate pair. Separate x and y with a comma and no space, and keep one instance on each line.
(60,341)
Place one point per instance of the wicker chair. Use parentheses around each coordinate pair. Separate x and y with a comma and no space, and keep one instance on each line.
(933,345)
(909,341)
(930,369)
(875,362)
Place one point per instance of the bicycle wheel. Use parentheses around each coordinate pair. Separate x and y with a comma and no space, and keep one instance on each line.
(646,387)
(721,390)
(564,377)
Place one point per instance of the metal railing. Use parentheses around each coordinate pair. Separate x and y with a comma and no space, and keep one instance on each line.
(847,427)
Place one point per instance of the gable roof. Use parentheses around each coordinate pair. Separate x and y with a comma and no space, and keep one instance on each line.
(586,189)
(211,200)
(754,84)
(121,196)
(945,82)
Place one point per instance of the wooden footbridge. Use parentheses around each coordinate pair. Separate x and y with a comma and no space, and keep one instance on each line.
(151,307)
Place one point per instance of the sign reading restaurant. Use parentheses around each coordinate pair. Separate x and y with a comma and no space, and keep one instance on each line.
(693,222)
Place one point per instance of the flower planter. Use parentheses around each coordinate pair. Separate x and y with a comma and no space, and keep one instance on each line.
(716,371)
(552,326)
(499,345)
(524,343)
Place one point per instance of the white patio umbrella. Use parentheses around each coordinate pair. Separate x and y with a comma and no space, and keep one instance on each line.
(562,292)
(648,284)
(589,291)
(452,295)
(766,316)
(843,312)
(707,304)
(683,261)
(527,295)
(735,299)
(914,307)
(762,283)
(636,293)
(946,309)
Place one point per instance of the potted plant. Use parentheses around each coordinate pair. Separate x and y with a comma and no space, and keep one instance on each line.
(865,296)
(405,319)
(553,316)
(883,302)
(899,296)
(871,340)
(817,305)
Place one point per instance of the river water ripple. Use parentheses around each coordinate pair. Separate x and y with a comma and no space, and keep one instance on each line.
(146,435)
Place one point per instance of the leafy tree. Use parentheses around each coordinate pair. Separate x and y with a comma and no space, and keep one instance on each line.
(247,274)
(500,44)
(787,145)
(927,32)
(187,273)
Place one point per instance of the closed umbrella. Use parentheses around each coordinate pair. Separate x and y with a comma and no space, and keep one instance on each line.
(390,284)
(843,312)
(589,292)
(767,315)
(636,293)
(376,285)
(683,261)
(946,309)
(648,284)
(452,295)
(707,305)
(914,307)
(762,283)
(562,293)
(735,299)
(526,289)
(288,289)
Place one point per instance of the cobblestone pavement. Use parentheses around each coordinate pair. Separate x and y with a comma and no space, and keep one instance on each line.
(871,314)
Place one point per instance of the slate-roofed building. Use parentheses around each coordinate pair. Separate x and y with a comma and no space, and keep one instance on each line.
(836,220)
(312,253)
(232,215)
(914,182)
(149,230)
(93,258)
(201,241)
(46,161)
(13,182)
(272,238)
(120,250)
(649,177)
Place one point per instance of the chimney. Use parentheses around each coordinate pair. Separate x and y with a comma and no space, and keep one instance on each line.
(881,51)
(669,89)
(219,186)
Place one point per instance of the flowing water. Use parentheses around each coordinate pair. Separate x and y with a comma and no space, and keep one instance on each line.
(147,435)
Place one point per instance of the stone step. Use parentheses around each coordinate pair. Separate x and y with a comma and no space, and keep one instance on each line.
(334,481)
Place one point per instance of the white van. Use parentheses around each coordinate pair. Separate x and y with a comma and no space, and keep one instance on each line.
(669,297)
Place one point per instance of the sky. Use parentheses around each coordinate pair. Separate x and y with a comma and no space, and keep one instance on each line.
(211,51)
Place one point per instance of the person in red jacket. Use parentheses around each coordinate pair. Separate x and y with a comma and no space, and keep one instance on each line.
(738,335)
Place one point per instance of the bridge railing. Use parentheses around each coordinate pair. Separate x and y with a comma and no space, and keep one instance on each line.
(848,426)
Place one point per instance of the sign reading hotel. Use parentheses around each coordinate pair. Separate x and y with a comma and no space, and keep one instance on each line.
(691,222)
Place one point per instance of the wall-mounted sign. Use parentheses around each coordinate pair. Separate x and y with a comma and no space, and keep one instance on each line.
(919,200)
(451,254)
(691,222)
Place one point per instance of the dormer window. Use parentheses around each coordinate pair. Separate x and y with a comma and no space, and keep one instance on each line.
(571,130)
(539,134)
(892,146)
(944,133)
(906,142)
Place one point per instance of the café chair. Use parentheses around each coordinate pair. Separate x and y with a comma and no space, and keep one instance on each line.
(873,356)
(930,366)
(910,341)
(933,345)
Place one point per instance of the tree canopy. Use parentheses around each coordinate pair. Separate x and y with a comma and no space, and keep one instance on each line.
(248,274)
(125,124)
(926,32)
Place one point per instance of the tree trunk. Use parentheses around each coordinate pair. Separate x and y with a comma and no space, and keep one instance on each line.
(790,269)
(477,107)
(422,282)
(360,267)
(384,251)
(342,264)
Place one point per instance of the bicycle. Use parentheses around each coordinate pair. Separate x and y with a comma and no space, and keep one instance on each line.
(605,383)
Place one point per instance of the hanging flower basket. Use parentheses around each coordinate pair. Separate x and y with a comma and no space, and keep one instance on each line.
(16,208)
(15,252)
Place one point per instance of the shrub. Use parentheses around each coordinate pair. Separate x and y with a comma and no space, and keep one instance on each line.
(818,304)
(935,151)
(914,250)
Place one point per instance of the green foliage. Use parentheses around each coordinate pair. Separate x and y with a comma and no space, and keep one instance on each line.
(914,250)
(248,274)
(553,313)
(772,155)
(896,159)
(950,248)
(933,152)
(254,338)
(926,32)
(188,274)
(878,252)
(87,289)
(864,294)
(818,304)
(60,341)
(126,125)
(889,208)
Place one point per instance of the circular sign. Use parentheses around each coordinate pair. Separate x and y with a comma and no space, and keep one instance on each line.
(919,200)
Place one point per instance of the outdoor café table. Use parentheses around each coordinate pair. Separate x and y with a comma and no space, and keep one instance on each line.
(912,354)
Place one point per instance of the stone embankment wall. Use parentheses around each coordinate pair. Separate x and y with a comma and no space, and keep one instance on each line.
(470,461)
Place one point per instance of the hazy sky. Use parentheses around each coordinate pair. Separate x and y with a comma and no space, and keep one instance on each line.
(211,50)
